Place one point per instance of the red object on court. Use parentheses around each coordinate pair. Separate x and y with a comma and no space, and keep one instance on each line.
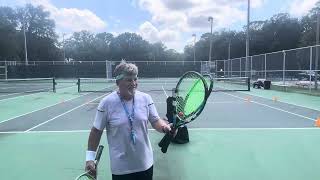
(317,123)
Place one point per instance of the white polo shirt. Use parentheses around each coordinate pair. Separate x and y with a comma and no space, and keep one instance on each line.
(126,157)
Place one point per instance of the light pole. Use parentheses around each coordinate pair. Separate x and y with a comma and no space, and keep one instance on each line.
(247,40)
(64,53)
(229,51)
(25,44)
(317,53)
(194,47)
(210,19)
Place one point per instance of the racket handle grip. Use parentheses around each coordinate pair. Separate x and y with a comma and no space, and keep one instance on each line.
(166,140)
(160,144)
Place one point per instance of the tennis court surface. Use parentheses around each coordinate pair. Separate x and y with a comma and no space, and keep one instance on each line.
(243,135)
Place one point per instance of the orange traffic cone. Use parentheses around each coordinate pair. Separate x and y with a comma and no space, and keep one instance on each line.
(317,122)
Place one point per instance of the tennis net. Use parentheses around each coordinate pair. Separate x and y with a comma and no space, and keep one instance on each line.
(108,85)
(161,84)
(27,85)
(231,84)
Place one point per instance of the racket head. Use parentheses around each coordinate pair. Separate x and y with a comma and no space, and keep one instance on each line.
(85,176)
(191,92)
(190,97)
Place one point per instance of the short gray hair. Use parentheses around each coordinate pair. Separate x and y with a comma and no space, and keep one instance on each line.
(125,69)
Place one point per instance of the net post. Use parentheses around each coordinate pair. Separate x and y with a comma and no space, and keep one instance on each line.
(54,84)
(248,83)
(78,84)
(310,70)
(284,67)
(5,69)
(265,66)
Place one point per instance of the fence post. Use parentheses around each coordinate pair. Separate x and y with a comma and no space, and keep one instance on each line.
(240,68)
(5,69)
(284,68)
(310,77)
(224,68)
(316,69)
(231,68)
(250,67)
(265,66)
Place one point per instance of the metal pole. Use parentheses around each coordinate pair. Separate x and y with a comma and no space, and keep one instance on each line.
(265,66)
(250,67)
(194,54)
(229,48)
(310,69)
(25,45)
(317,54)
(240,68)
(5,69)
(247,39)
(224,68)
(231,67)
(194,48)
(284,68)
(107,70)
(64,54)
(211,21)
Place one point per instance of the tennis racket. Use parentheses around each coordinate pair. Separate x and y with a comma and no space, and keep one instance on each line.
(87,175)
(189,99)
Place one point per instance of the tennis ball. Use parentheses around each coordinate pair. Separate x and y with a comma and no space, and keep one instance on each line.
(181,114)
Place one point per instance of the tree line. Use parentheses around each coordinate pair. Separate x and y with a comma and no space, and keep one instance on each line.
(280,32)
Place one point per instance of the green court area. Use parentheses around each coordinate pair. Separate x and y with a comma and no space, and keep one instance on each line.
(308,101)
(224,154)
(25,103)
(239,135)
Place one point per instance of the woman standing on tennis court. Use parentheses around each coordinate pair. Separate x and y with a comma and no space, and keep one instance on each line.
(125,114)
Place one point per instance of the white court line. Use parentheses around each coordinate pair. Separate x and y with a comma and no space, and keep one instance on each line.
(282,101)
(191,129)
(65,113)
(159,102)
(165,92)
(36,93)
(208,102)
(279,109)
(42,108)
(225,102)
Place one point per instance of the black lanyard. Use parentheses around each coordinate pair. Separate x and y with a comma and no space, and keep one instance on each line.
(130,118)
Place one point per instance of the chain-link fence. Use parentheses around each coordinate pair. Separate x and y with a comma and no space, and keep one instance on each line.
(294,69)
(98,69)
